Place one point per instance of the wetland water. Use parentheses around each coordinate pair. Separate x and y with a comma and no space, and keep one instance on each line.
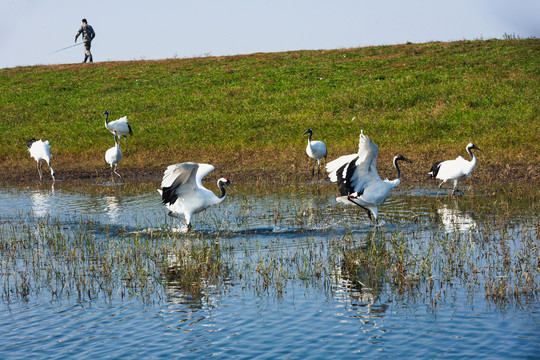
(94,271)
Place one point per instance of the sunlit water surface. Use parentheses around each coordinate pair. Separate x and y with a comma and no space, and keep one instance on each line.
(306,319)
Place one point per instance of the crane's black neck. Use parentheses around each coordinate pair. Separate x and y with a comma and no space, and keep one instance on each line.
(469,150)
(397,168)
(223,191)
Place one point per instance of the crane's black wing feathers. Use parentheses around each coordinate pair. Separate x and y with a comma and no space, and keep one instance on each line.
(344,182)
(169,195)
(435,168)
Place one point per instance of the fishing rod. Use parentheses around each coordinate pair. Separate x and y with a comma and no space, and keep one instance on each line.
(67,47)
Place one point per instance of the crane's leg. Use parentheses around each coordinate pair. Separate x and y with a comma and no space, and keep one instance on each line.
(39,171)
(188,222)
(52,171)
(367,210)
(318,168)
(455,189)
(440,188)
(116,172)
(171,214)
(313,169)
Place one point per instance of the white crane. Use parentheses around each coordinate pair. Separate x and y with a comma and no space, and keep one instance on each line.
(454,170)
(113,157)
(183,193)
(357,178)
(40,150)
(121,126)
(315,150)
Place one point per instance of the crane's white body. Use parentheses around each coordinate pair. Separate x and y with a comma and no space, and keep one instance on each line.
(454,170)
(358,180)
(121,126)
(113,156)
(183,193)
(316,150)
(41,150)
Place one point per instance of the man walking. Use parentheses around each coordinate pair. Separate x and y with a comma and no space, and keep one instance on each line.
(88,35)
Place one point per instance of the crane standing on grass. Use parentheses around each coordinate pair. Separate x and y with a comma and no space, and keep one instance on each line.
(118,127)
(315,150)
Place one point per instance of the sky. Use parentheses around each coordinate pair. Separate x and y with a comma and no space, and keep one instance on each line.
(30,30)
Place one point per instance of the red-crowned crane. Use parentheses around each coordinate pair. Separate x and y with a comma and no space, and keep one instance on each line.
(183,193)
(357,178)
(454,170)
(40,150)
(315,150)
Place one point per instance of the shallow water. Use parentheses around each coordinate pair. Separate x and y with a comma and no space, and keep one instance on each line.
(316,311)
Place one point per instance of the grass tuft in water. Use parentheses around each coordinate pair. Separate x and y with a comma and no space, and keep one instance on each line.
(193,264)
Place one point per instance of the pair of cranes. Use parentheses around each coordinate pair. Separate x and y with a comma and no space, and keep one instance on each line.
(182,191)
(359,183)
(118,128)
(41,150)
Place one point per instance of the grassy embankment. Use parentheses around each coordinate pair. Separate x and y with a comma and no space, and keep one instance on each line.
(246,114)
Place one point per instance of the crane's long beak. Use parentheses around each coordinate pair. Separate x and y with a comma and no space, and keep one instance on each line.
(407,160)
(474,147)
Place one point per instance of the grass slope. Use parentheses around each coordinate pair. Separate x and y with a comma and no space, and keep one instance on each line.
(246,114)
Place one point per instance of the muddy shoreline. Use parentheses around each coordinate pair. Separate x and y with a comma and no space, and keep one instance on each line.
(291,175)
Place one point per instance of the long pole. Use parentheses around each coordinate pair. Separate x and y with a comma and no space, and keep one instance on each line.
(67,47)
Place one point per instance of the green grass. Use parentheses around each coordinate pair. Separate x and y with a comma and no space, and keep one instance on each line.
(246,113)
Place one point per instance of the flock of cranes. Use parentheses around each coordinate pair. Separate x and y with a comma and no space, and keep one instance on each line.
(358,182)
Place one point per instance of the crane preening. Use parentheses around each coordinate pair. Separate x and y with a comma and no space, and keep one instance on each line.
(40,150)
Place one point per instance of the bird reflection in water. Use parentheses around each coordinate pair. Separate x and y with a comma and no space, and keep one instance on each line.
(42,201)
(112,208)
(358,286)
(455,220)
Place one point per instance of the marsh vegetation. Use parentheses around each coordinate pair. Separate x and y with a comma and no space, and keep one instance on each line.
(478,252)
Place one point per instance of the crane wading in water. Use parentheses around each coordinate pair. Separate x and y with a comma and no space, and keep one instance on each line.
(454,170)
(40,150)
(182,191)
(315,150)
(357,178)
